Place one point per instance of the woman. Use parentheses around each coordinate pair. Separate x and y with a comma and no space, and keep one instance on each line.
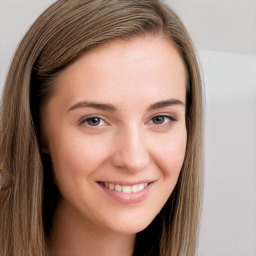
(101,134)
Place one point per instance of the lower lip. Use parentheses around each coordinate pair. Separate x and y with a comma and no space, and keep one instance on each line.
(128,198)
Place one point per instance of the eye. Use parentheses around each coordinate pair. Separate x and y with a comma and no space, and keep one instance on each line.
(93,121)
(162,119)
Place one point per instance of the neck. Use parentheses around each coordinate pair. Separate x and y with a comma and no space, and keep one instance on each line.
(73,234)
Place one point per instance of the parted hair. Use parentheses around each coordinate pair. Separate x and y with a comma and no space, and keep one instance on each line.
(64,32)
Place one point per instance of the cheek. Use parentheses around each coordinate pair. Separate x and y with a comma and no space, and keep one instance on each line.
(170,153)
(75,157)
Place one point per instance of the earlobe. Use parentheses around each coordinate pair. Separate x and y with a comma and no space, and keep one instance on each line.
(44,150)
(43,146)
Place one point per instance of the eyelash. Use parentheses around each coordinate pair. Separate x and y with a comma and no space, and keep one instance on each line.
(170,120)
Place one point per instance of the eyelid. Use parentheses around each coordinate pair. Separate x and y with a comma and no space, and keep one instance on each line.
(164,114)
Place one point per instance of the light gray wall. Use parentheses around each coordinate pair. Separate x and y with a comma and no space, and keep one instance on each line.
(229,212)
(220,25)
(224,32)
(16,16)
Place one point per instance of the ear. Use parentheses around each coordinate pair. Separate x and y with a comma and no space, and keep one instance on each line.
(44,150)
(44,145)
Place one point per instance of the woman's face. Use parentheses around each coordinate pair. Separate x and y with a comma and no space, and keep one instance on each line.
(115,131)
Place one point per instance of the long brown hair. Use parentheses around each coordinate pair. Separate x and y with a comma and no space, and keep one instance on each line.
(64,32)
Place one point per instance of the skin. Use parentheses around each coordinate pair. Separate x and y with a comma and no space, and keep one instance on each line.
(127,145)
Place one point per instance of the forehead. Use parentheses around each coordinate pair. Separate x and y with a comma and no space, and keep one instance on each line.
(146,66)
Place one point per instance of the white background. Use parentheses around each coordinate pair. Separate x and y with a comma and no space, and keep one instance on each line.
(224,32)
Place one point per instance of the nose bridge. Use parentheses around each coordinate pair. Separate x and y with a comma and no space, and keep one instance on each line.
(131,153)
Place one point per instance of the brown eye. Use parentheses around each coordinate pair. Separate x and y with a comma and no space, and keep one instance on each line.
(159,119)
(93,121)
(162,119)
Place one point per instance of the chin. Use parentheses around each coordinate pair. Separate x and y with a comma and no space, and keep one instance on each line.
(130,226)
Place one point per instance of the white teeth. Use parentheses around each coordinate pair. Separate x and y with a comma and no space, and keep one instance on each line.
(141,186)
(110,186)
(118,188)
(125,189)
(136,188)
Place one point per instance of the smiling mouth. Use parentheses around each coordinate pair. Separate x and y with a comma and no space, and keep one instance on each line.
(124,189)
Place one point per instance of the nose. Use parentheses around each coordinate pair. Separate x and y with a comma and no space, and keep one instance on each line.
(131,153)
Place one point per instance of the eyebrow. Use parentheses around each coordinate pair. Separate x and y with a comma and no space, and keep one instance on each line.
(166,103)
(90,104)
(112,108)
